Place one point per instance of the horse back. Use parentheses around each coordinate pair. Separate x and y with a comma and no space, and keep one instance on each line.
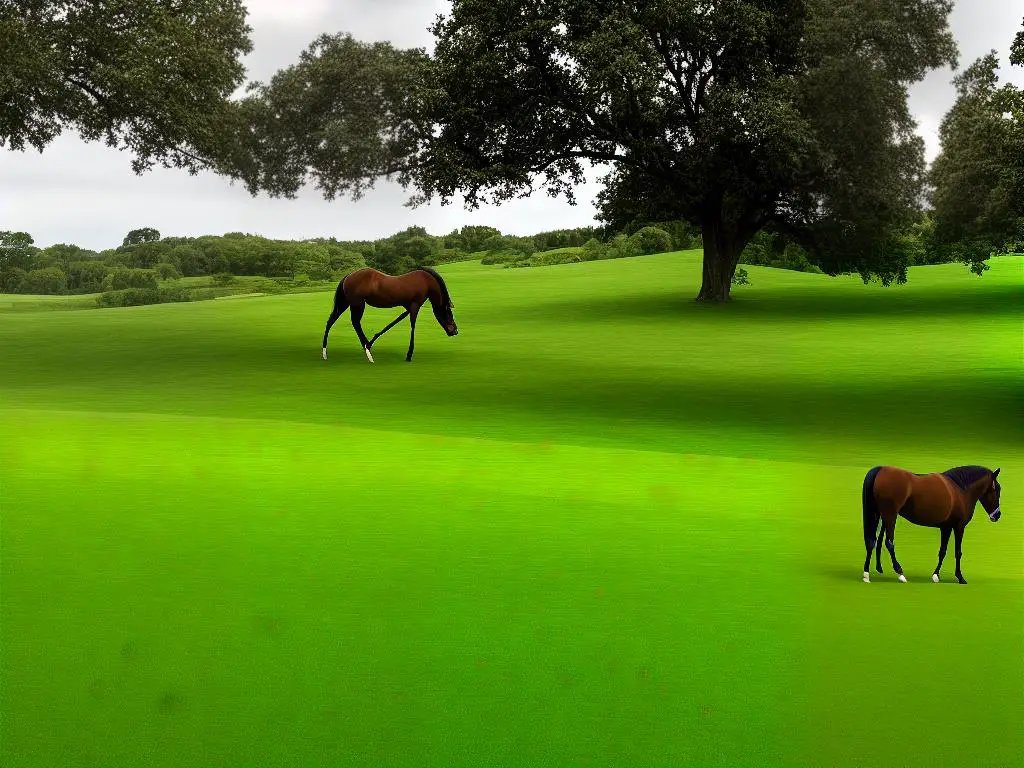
(928,499)
(379,289)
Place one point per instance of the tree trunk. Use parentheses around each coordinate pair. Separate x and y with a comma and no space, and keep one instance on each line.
(723,245)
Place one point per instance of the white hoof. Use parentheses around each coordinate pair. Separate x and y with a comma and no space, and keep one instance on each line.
(325,353)
(368,355)
(935,578)
(867,577)
(903,578)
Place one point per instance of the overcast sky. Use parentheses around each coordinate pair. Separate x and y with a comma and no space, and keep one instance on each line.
(87,194)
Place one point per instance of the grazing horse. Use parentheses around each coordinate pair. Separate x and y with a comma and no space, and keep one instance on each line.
(376,289)
(939,500)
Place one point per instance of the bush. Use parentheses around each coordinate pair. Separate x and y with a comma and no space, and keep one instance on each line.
(652,240)
(175,294)
(622,247)
(503,257)
(223,278)
(763,251)
(741,277)
(550,258)
(137,297)
(129,297)
(87,276)
(123,278)
(595,250)
(167,271)
(11,279)
(50,280)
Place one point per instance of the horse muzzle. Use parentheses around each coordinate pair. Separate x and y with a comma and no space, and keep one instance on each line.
(994,515)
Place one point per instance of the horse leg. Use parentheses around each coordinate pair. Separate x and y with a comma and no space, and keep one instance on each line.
(413,311)
(946,530)
(879,540)
(959,531)
(890,535)
(869,541)
(388,327)
(340,305)
(357,316)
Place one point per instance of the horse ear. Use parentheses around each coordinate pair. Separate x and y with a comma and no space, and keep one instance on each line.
(996,473)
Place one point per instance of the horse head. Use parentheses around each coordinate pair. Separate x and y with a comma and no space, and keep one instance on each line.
(990,498)
(444,311)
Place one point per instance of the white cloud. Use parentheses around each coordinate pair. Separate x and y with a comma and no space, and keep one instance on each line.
(292,12)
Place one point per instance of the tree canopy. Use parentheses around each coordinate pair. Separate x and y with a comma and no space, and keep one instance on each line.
(735,115)
(978,178)
(152,77)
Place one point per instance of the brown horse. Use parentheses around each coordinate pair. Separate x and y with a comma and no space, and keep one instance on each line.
(376,289)
(939,500)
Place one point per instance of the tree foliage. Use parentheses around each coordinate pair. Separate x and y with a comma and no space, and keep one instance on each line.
(978,178)
(151,77)
(735,116)
(347,113)
(143,235)
(16,250)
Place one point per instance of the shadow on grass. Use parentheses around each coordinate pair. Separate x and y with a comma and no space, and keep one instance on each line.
(992,299)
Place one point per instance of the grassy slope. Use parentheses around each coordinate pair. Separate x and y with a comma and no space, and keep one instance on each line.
(603,525)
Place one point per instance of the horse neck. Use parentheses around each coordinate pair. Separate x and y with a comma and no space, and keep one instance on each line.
(975,490)
(436,295)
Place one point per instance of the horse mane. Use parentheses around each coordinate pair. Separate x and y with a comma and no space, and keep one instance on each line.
(965,476)
(440,281)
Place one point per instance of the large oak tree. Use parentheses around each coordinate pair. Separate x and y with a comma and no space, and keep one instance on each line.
(978,178)
(735,115)
(150,76)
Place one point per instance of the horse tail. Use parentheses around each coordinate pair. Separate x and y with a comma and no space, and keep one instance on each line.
(340,305)
(870,508)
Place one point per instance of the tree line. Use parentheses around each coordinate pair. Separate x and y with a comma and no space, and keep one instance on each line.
(759,123)
(144,258)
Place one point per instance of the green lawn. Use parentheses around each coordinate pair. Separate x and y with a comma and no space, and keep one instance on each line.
(602,526)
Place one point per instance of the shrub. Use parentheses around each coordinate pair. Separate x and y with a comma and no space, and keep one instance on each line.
(50,280)
(550,258)
(652,240)
(741,277)
(622,247)
(129,297)
(175,294)
(223,278)
(87,276)
(167,271)
(594,250)
(503,257)
(136,297)
(122,278)
(11,279)
(763,251)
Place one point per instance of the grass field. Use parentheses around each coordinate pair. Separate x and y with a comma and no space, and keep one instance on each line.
(602,526)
